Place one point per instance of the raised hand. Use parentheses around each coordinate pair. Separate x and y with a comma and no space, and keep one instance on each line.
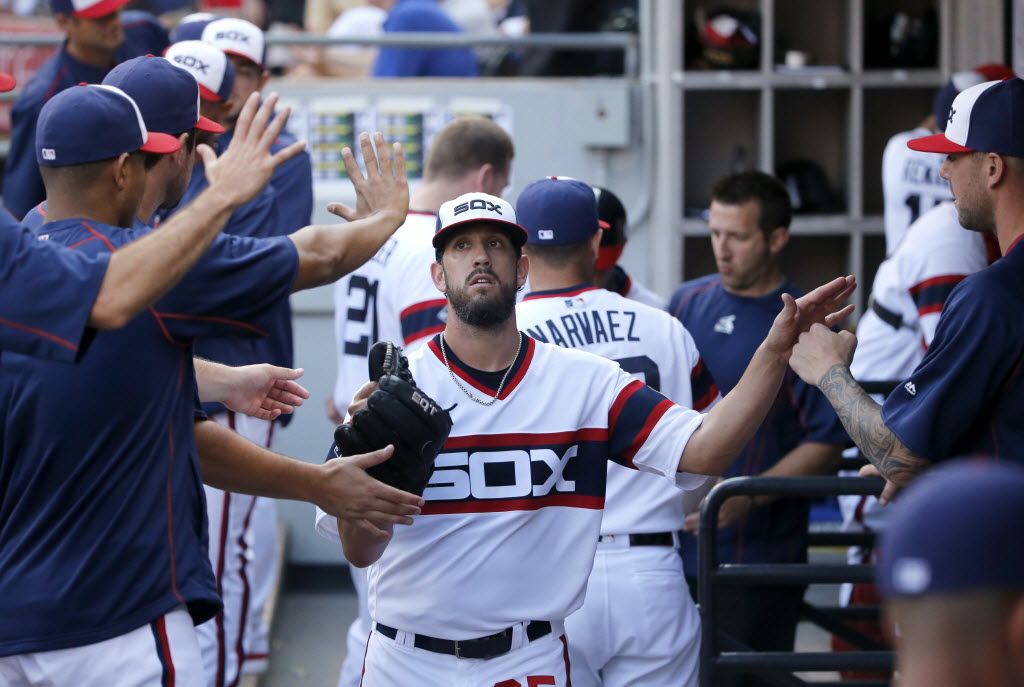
(247,164)
(823,305)
(384,189)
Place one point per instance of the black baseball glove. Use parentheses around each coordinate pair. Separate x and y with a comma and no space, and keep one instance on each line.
(398,413)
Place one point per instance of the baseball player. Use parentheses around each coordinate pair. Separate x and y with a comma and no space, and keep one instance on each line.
(610,642)
(909,292)
(292,185)
(391,297)
(108,510)
(610,275)
(965,395)
(512,517)
(99,36)
(911,183)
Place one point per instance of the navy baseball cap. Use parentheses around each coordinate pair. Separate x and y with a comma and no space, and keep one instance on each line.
(93,122)
(190,28)
(86,9)
(988,117)
(7,83)
(208,64)
(167,95)
(961,81)
(954,529)
(558,210)
(477,207)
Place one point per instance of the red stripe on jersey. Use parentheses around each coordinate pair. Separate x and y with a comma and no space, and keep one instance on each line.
(39,332)
(170,516)
(648,427)
(533,439)
(927,309)
(416,307)
(167,679)
(555,293)
(423,333)
(620,401)
(701,404)
(210,318)
(502,506)
(531,346)
(935,281)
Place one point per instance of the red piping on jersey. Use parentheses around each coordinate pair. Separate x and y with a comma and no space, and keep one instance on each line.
(39,332)
(76,245)
(620,401)
(531,346)
(213,318)
(992,251)
(423,305)
(559,293)
(424,213)
(502,506)
(42,211)
(170,517)
(365,651)
(1015,242)
(689,296)
(641,438)
(535,439)
(53,84)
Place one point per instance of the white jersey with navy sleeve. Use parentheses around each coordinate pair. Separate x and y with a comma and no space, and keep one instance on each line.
(390,298)
(910,183)
(652,346)
(513,509)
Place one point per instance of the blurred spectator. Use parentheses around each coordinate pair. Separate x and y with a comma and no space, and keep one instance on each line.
(421,16)
(348,61)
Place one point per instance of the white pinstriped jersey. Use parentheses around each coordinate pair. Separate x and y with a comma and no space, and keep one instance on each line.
(513,510)
(910,183)
(655,348)
(390,298)
(935,255)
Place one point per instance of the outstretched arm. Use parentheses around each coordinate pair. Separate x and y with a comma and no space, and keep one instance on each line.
(339,487)
(730,425)
(142,271)
(822,358)
(329,252)
(262,391)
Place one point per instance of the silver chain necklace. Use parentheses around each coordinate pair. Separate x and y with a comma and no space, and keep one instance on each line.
(467,391)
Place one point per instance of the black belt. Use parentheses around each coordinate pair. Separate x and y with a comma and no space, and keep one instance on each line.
(652,539)
(891,318)
(481,647)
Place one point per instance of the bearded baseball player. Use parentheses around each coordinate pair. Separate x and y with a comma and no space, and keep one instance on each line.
(392,298)
(506,542)
(611,644)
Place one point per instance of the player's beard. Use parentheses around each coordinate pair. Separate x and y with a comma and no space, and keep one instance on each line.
(486,312)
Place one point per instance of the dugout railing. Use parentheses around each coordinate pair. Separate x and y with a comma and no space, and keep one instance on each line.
(721,654)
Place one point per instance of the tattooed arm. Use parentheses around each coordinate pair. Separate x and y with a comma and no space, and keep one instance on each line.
(822,358)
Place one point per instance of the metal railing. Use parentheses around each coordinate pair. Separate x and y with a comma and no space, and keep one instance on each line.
(720,653)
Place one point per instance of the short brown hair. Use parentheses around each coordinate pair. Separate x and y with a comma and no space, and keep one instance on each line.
(753,186)
(466,145)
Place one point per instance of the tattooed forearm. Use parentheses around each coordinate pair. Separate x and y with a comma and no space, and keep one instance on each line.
(862,418)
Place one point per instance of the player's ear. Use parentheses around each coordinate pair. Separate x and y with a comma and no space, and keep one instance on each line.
(482,178)
(777,239)
(437,275)
(522,270)
(120,170)
(995,169)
